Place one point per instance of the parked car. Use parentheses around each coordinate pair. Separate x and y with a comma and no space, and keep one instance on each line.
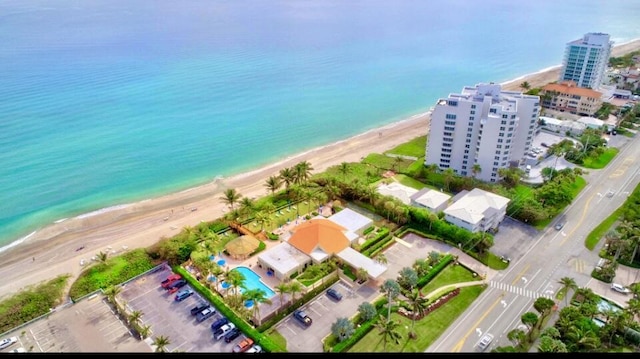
(302,317)
(19,350)
(619,288)
(243,345)
(205,314)
(219,323)
(7,342)
(233,334)
(176,284)
(199,308)
(485,341)
(334,294)
(170,279)
(559,226)
(254,349)
(223,330)
(183,294)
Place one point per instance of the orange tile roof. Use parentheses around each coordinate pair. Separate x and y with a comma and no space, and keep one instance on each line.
(569,87)
(323,233)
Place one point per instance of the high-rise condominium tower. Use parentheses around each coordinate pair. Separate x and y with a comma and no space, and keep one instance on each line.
(586,59)
(481,130)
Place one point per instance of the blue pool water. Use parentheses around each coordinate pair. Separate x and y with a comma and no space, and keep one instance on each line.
(604,305)
(252,281)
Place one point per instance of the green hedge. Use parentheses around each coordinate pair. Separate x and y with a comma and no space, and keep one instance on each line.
(382,232)
(368,230)
(259,338)
(373,250)
(435,270)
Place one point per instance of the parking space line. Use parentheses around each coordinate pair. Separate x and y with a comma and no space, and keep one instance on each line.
(107,326)
(291,330)
(36,340)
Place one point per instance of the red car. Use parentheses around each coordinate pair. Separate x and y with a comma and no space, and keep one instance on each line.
(170,279)
(243,345)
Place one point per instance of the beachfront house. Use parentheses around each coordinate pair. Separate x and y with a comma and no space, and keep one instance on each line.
(397,190)
(316,241)
(434,201)
(477,210)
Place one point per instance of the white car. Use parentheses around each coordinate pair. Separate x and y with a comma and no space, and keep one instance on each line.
(619,288)
(19,350)
(7,342)
(254,349)
(485,341)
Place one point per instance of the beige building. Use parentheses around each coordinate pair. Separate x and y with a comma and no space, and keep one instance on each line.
(566,96)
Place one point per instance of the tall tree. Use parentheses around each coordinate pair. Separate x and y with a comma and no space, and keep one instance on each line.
(407,278)
(342,329)
(419,305)
(273,184)
(288,176)
(391,289)
(230,197)
(476,169)
(389,329)
(367,311)
(282,288)
(567,284)
(135,317)
(294,288)
(344,169)
(258,296)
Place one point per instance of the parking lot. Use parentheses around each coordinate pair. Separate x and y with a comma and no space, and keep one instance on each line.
(324,311)
(87,326)
(170,318)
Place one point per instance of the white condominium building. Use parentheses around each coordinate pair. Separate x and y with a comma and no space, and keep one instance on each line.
(586,59)
(484,126)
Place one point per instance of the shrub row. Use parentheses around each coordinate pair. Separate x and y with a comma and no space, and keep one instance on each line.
(383,232)
(435,270)
(368,230)
(381,245)
(361,331)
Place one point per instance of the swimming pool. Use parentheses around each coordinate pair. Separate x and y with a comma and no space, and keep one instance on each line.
(252,281)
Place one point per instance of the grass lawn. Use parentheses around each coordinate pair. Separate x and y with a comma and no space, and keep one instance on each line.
(594,237)
(415,147)
(428,329)
(451,274)
(602,160)
(276,337)
(386,162)
(410,182)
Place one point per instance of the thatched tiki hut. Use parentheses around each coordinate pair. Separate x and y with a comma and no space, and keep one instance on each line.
(242,247)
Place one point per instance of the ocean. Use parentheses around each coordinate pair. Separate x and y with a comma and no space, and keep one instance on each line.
(107,102)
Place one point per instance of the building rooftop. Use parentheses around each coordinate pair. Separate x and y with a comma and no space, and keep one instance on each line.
(319,233)
(430,198)
(475,205)
(569,87)
(358,260)
(283,257)
(351,220)
(397,190)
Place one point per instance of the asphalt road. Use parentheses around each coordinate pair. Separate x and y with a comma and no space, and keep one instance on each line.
(546,259)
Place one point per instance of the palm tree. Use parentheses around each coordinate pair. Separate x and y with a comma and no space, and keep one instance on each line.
(381,258)
(632,236)
(389,329)
(282,288)
(112,291)
(258,296)
(247,206)
(448,175)
(217,272)
(145,330)
(294,288)
(476,169)
(582,337)
(135,316)
(525,86)
(392,289)
(273,184)
(262,219)
(161,343)
(288,177)
(235,280)
(303,171)
(418,305)
(231,197)
(102,257)
(362,275)
(344,169)
(567,283)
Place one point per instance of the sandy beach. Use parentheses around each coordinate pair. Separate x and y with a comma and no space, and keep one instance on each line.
(55,249)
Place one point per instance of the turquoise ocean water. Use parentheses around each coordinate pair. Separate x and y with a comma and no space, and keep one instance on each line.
(105,102)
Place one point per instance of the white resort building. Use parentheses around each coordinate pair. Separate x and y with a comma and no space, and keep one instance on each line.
(484,126)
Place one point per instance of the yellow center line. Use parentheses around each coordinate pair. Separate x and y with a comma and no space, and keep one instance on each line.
(460,343)
(584,214)
(521,273)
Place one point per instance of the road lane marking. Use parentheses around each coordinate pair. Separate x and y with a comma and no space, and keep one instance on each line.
(472,328)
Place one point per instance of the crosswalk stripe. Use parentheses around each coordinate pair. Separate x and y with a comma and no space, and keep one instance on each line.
(518,290)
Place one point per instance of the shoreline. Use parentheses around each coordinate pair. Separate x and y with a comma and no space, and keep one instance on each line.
(53,249)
